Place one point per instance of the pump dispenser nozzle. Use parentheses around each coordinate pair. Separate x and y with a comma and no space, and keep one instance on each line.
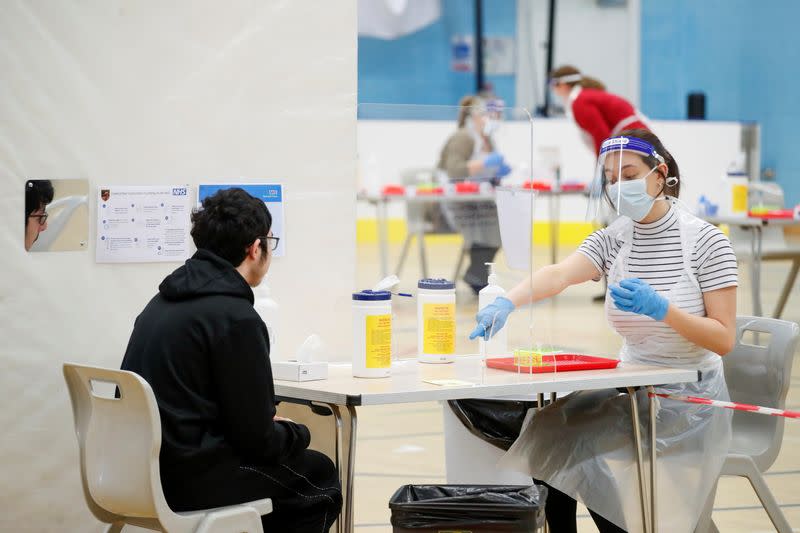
(492,279)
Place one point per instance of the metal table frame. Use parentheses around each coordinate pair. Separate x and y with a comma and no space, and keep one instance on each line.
(343,399)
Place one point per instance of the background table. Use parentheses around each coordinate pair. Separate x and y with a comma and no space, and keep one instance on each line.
(755,226)
(381,202)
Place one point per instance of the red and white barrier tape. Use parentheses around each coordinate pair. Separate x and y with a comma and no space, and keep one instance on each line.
(732,405)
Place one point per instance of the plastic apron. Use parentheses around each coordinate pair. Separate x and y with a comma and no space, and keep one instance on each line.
(583,444)
(476,221)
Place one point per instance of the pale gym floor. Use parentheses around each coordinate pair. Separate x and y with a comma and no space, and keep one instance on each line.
(404,444)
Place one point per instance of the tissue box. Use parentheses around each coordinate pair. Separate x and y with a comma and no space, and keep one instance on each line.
(297,371)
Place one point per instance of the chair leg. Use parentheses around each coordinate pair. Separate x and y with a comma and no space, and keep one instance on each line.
(404,253)
(706,523)
(768,501)
(787,289)
(116,527)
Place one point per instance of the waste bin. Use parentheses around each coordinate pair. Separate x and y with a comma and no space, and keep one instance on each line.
(451,508)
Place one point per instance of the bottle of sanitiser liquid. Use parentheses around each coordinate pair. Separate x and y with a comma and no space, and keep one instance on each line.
(498,344)
(268,310)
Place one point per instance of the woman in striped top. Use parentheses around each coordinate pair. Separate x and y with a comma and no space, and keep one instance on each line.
(672,298)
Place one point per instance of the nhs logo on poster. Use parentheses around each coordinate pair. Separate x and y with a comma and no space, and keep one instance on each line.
(269,193)
(179,191)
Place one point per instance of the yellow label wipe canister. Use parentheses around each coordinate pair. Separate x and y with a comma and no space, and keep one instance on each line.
(436,320)
(372,334)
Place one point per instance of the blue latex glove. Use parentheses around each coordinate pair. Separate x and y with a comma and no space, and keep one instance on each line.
(493,160)
(492,318)
(503,171)
(636,296)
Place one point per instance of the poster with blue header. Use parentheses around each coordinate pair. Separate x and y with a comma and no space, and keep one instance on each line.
(270,193)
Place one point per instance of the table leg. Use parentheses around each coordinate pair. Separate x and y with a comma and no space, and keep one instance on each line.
(755,269)
(637,437)
(351,469)
(553,212)
(787,288)
(338,435)
(346,462)
(653,464)
(383,235)
(423,259)
(539,407)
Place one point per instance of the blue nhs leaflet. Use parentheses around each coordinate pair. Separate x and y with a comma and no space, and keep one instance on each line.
(270,193)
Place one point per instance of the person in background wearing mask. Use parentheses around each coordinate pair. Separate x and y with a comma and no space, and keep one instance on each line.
(470,155)
(204,350)
(672,297)
(599,114)
(38,193)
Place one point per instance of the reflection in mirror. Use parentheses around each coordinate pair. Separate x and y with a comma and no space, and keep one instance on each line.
(56,215)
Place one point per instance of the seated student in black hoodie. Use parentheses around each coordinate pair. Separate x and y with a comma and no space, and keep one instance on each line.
(205,352)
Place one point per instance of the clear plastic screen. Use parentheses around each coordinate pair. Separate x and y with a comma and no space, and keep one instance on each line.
(442,191)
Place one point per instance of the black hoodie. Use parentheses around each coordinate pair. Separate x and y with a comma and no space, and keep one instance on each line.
(205,352)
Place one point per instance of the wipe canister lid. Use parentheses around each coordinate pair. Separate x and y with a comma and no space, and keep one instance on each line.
(372,296)
(436,284)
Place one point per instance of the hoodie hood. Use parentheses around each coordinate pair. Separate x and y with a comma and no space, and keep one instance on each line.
(205,274)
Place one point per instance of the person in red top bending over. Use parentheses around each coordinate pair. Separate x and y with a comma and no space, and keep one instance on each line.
(599,114)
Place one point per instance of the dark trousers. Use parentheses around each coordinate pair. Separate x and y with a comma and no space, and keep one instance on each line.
(305,491)
(561,510)
(477,272)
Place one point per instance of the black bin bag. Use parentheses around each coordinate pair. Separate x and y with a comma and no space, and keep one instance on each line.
(449,508)
(498,422)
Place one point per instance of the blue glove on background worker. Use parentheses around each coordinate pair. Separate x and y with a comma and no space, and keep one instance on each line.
(492,318)
(493,160)
(636,296)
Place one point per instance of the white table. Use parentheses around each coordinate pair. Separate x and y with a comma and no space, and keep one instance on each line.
(381,202)
(755,226)
(342,394)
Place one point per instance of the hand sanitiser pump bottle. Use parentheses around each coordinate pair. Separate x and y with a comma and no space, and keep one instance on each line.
(268,310)
(498,344)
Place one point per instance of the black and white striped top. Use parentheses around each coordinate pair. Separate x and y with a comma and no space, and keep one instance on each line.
(656,258)
(656,254)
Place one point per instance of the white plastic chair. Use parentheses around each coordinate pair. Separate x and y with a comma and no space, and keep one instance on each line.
(119,441)
(757,375)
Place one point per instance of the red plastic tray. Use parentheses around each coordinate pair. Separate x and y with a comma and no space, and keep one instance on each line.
(778,213)
(537,185)
(467,188)
(394,190)
(565,362)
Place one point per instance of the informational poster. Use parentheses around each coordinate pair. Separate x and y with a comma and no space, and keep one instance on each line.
(139,224)
(462,54)
(270,193)
(498,55)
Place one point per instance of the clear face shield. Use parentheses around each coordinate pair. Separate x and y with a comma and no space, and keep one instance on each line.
(486,116)
(619,186)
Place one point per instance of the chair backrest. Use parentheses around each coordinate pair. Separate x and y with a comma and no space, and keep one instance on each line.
(119,441)
(760,375)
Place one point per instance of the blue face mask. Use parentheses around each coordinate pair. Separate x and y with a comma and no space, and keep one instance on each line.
(634,202)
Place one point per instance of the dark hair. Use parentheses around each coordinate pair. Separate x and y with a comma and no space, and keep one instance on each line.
(229,221)
(587,82)
(38,193)
(466,106)
(650,161)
